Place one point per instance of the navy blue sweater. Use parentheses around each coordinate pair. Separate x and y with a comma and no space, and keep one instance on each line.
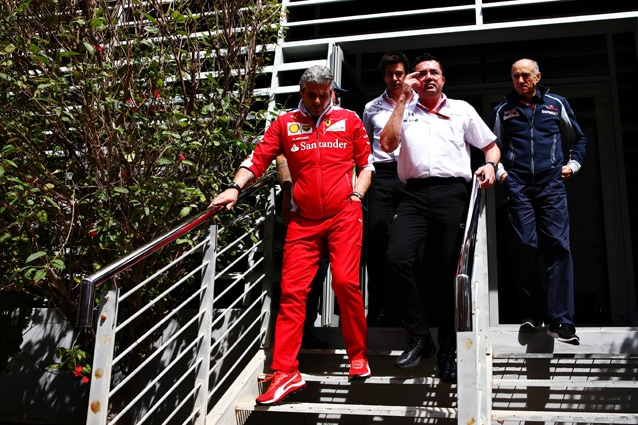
(532,136)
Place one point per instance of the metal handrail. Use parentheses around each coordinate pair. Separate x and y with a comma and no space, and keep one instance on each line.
(463,288)
(90,283)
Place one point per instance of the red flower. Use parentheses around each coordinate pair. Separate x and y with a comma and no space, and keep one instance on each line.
(182,157)
(92,232)
(78,371)
(85,380)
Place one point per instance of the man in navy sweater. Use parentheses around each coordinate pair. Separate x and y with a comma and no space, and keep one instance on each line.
(532,127)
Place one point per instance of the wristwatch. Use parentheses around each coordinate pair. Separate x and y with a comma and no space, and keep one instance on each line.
(233,185)
(357,194)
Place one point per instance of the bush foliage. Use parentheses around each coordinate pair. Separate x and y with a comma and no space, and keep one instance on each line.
(119,120)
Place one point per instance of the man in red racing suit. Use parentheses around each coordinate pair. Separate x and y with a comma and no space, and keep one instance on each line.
(323,146)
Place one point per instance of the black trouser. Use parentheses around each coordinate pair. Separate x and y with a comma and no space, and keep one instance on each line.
(382,200)
(431,209)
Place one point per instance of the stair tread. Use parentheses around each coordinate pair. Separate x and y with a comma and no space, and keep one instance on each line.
(508,341)
(563,415)
(388,379)
(558,382)
(353,409)
(522,364)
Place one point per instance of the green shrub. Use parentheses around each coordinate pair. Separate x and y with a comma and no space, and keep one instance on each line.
(117,123)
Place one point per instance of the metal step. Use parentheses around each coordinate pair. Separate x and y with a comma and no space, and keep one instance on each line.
(389,393)
(357,410)
(565,416)
(534,378)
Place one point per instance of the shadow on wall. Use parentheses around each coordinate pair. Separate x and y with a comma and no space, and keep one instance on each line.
(32,393)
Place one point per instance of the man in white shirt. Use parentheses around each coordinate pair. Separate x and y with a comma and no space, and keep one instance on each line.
(435,136)
(385,190)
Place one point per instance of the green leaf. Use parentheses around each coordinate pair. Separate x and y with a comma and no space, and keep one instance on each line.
(98,22)
(39,275)
(89,48)
(150,18)
(42,216)
(35,256)
(7,47)
(178,17)
(58,264)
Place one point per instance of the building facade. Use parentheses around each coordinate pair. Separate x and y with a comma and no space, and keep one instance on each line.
(587,52)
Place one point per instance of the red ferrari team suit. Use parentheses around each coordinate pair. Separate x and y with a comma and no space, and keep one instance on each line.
(322,157)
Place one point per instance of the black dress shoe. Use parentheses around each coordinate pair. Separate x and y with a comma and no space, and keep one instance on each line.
(417,347)
(447,365)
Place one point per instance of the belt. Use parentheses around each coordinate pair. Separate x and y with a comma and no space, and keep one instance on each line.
(434,181)
(390,166)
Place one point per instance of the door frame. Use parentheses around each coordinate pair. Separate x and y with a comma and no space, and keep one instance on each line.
(618,248)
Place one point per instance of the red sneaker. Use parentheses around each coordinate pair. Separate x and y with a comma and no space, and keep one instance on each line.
(359,369)
(283,384)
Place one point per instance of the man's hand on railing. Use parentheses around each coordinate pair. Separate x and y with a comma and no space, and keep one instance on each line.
(487,172)
(228,198)
(486,176)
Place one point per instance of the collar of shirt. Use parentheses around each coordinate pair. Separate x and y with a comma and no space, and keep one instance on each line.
(526,103)
(437,109)
(531,103)
(392,102)
(387,98)
(303,110)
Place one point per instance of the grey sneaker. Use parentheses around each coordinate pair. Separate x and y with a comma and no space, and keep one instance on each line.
(564,333)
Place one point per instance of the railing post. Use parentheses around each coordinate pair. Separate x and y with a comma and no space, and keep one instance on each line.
(200,409)
(269,263)
(474,363)
(478,12)
(103,357)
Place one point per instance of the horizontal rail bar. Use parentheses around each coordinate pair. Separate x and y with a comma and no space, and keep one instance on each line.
(140,395)
(159,350)
(91,282)
(161,271)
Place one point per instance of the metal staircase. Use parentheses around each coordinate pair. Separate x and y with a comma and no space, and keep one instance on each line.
(505,376)
(535,379)
(393,395)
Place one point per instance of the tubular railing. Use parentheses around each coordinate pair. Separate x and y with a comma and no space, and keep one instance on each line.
(172,368)
(474,367)
(93,281)
(463,288)
(169,346)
